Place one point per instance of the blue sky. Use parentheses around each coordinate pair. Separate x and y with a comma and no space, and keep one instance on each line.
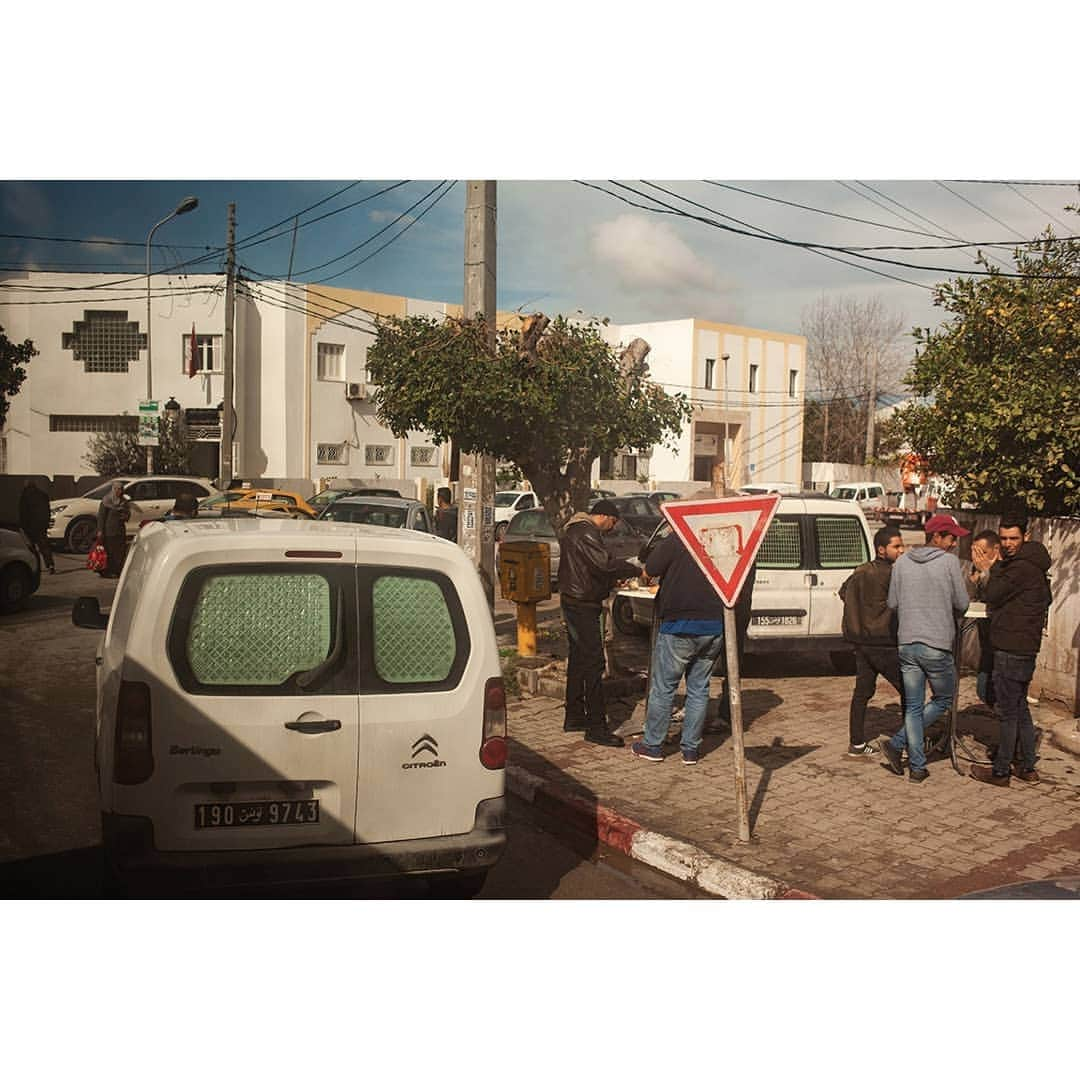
(562,246)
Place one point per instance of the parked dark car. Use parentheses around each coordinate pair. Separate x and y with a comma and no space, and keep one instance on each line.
(640,513)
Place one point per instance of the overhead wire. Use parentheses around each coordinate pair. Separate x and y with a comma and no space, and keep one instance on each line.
(945,187)
(1032,202)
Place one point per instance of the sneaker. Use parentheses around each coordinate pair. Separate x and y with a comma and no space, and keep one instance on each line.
(862,751)
(892,756)
(1029,776)
(646,753)
(917,776)
(690,757)
(986,774)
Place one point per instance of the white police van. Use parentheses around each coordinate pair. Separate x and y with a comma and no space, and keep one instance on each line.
(286,701)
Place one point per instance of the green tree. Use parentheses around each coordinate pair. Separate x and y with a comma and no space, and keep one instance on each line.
(118,453)
(13,361)
(1001,380)
(549,398)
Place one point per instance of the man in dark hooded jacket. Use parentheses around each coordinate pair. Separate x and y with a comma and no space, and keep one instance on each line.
(34,521)
(1017,598)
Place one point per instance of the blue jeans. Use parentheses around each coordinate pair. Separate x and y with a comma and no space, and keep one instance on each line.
(1012,677)
(673,656)
(920,664)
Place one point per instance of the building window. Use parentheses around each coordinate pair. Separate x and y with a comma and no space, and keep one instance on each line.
(86,422)
(331,362)
(792,382)
(332,453)
(607,466)
(105,341)
(627,467)
(753,378)
(710,373)
(209,354)
(422,456)
(379,454)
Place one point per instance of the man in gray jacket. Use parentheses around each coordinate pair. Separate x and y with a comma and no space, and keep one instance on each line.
(928,592)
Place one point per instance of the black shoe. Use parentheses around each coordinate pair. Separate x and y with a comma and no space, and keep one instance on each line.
(917,776)
(893,761)
(986,774)
(602,737)
(574,725)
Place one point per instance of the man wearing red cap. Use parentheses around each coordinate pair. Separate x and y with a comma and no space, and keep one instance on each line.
(928,592)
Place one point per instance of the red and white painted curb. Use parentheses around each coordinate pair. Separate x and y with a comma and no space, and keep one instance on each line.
(681,860)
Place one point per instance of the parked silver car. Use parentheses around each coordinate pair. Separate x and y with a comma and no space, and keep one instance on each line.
(621,541)
(384,511)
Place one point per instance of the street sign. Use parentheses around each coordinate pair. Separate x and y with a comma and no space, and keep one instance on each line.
(148,423)
(723,536)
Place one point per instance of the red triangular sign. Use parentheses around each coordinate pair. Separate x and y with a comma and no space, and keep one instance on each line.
(723,536)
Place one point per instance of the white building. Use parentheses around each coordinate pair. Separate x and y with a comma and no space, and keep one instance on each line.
(302,396)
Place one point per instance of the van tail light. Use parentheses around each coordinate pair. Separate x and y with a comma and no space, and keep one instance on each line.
(493,744)
(133,762)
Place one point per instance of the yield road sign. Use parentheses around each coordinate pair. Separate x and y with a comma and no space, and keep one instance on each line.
(723,536)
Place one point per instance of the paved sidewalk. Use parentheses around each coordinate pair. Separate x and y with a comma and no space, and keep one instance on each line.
(821,824)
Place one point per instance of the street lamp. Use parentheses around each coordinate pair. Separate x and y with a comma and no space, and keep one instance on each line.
(185,206)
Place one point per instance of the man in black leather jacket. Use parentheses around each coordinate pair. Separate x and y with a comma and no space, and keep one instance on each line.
(587,572)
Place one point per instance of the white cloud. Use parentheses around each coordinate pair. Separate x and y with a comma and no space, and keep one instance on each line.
(648,256)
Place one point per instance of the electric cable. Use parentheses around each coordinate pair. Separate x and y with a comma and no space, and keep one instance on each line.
(1032,202)
(941,184)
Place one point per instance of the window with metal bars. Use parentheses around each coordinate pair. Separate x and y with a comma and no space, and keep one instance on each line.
(841,542)
(86,422)
(105,341)
(782,547)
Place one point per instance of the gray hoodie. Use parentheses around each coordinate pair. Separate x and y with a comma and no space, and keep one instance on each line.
(928,592)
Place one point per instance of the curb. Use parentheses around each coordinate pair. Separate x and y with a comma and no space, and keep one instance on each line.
(680,860)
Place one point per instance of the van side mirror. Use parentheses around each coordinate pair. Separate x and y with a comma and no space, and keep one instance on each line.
(87,613)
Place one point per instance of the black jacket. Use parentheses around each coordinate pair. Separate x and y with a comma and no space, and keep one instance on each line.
(446,522)
(685,592)
(868,619)
(33,510)
(1017,597)
(587,570)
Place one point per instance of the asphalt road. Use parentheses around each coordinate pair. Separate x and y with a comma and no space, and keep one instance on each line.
(49,825)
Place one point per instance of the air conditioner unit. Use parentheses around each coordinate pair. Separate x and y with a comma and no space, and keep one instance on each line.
(354,391)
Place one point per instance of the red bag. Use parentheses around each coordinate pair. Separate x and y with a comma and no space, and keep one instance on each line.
(97,559)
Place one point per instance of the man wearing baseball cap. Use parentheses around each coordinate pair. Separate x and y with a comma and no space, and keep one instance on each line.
(928,592)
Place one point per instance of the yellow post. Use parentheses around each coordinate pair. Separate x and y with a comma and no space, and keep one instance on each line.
(526,628)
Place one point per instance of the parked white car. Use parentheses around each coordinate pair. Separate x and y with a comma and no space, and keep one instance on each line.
(286,701)
(20,570)
(73,521)
(812,546)
(870,498)
(507,504)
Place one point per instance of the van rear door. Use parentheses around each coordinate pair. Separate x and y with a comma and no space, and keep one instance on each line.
(255,724)
(838,543)
(781,601)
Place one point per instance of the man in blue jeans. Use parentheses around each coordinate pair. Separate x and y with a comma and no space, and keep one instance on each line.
(928,592)
(688,641)
(1017,597)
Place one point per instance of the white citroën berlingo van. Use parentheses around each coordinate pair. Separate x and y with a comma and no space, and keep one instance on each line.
(287,701)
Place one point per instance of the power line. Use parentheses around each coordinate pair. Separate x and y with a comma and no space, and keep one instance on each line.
(975,206)
(1023,183)
(876,202)
(1038,207)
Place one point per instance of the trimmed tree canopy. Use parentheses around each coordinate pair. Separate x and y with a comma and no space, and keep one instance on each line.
(13,360)
(1003,376)
(551,398)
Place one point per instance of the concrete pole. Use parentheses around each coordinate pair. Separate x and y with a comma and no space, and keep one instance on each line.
(476,518)
(871,403)
(230,298)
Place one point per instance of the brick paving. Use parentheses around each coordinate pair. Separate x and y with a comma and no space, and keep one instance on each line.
(820,822)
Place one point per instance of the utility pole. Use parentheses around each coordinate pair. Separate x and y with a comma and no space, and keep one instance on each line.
(871,403)
(476,520)
(227,406)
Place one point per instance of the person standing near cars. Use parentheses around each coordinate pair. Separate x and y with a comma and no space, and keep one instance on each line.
(928,593)
(870,625)
(112,519)
(688,641)
(1017,597)
(185,507)
(587,572)
(34,521)
(446,515)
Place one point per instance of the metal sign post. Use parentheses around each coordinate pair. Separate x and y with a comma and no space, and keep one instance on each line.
(734,682)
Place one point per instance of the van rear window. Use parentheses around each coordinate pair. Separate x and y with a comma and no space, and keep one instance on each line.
(258,629)
(414,639)
(841,542)
(782,547)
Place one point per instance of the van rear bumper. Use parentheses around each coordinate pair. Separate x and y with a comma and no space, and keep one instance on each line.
(131,855)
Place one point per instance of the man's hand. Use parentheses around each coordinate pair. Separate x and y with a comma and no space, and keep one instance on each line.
(983,556)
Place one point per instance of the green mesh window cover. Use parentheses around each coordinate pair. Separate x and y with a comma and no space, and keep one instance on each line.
(414,636)
(258,629)
(782,547)
(841,543)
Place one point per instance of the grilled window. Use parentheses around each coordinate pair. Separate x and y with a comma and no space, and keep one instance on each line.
(841,542)
(414,639)
(782,547)
(422,455)
(378,454)
(105,341)
(332,453)
(60,422)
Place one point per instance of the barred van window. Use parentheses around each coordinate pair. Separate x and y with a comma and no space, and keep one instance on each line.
(841,542)
(782,547)
(414,639)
